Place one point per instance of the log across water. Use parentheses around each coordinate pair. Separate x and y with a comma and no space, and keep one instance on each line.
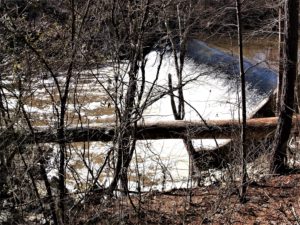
(229,129)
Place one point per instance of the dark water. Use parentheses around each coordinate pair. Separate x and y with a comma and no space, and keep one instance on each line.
(257,50)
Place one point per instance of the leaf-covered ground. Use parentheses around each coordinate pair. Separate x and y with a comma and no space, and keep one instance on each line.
(271,200)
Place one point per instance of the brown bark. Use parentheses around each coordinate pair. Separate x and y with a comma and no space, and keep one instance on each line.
(243,93)
(125,135)
(256,128)
(278,162)
(281,57)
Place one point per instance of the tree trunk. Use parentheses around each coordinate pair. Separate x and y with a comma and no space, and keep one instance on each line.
(126,137)
(179,54)
(278,161)
(243,92)
(281,56)
(256,128)
(4,174)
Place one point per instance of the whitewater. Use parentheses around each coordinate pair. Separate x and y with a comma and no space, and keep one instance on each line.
(211,90)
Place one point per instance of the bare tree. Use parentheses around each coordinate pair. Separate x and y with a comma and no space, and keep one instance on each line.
(184,16)
(133,29)
(279,158)
(280,53)
(41,45)
(243,92)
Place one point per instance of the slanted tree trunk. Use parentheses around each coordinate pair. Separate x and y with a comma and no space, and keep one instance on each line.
(135,15)
(278,161)
(126,140)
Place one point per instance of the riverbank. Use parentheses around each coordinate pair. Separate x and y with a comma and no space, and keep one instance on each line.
(271,200)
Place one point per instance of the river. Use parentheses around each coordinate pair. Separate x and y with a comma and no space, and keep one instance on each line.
(258,50)
(164,164)
(159,164)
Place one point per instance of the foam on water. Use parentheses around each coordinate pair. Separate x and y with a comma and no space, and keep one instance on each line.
(211,90)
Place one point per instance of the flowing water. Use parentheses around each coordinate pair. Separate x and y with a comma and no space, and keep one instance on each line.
(157,164)
(258,50)
(164,164)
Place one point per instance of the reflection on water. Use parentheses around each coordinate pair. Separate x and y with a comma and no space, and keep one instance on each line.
(257,50)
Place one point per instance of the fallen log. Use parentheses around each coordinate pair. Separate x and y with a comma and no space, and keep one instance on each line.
(224,129)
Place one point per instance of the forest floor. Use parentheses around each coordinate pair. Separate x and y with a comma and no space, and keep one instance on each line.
(271,200)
